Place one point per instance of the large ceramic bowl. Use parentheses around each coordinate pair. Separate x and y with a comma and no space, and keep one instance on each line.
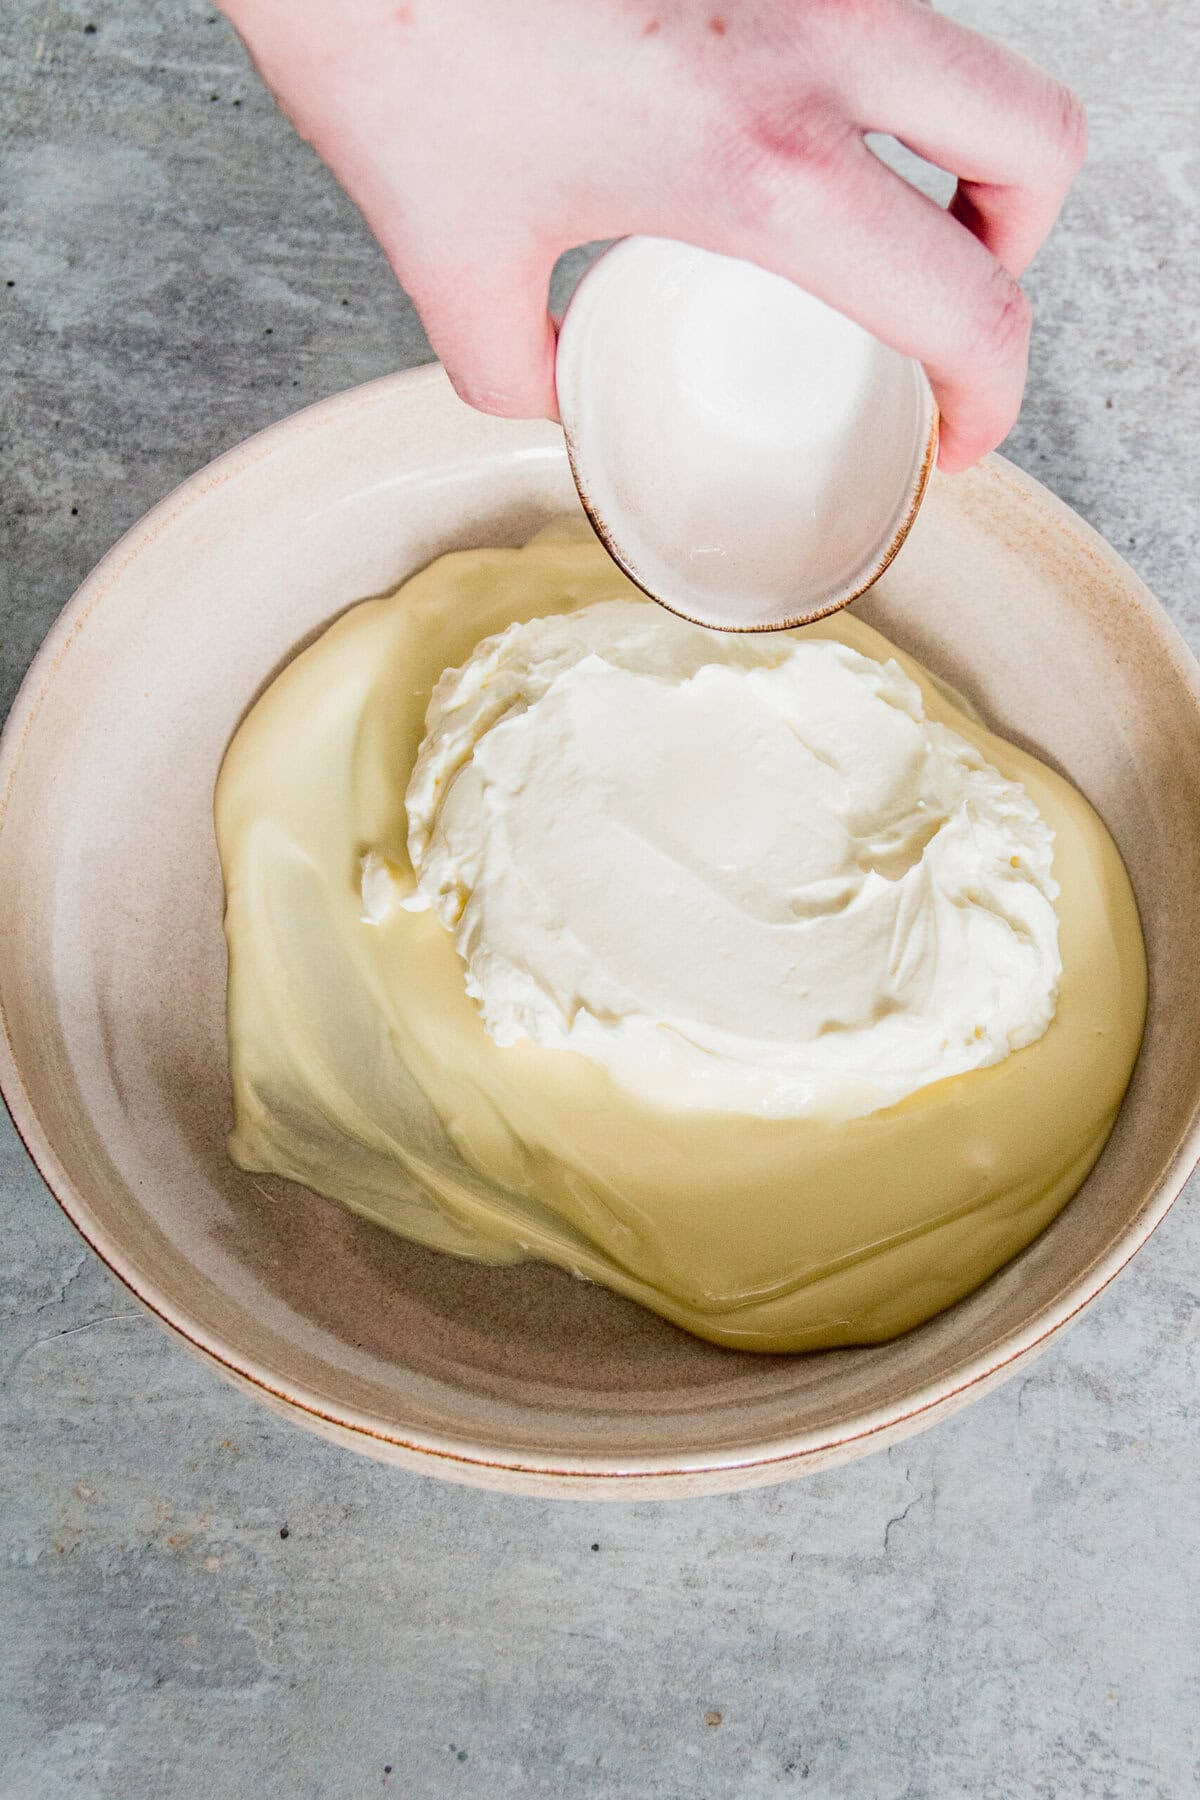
(112,966)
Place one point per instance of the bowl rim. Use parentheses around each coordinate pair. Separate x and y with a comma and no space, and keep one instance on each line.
(769,1454)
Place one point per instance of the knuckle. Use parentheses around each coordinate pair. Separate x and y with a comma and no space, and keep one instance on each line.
(1004,322)
(814,136)
(761,159)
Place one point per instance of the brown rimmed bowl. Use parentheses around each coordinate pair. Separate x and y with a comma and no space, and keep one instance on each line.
(112,966)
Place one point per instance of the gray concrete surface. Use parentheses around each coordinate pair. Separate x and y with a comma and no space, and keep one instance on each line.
(199,1601)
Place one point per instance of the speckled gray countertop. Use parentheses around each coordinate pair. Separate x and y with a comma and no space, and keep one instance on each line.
(200,1601)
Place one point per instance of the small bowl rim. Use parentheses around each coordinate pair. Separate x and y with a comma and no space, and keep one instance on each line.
(651,1475)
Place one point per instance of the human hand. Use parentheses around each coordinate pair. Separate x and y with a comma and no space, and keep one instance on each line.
(480,138)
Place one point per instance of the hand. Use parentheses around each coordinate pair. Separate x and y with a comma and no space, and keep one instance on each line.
(480,138)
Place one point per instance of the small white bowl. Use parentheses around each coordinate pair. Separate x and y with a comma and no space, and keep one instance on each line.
(750,457)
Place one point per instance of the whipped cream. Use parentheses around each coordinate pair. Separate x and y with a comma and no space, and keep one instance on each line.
(739,872)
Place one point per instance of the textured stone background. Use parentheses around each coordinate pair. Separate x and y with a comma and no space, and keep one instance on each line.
(199,1601)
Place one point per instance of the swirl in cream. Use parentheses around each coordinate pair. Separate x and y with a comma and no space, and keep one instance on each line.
(741,872)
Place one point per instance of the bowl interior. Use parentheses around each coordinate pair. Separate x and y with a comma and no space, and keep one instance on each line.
(751,458)
(112,961)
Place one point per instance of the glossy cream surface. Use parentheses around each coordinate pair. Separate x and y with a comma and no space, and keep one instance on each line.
(362,1068)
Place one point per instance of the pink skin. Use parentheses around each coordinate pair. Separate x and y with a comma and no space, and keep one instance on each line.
(480,138)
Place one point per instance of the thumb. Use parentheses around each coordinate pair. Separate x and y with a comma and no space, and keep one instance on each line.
(488,321)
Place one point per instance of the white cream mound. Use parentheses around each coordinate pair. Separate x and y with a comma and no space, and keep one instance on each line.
(739,873)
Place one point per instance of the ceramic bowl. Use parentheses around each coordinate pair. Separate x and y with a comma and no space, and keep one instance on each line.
(698,395)
(112,966)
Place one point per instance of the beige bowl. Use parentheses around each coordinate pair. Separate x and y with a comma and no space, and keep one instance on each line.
(112,966)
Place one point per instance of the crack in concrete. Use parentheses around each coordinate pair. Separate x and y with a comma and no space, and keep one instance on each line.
(12,1314)
(85,1257)
(899,1520)
(51,1337)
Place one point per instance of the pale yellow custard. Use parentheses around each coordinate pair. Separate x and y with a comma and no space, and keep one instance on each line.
(362,1068)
